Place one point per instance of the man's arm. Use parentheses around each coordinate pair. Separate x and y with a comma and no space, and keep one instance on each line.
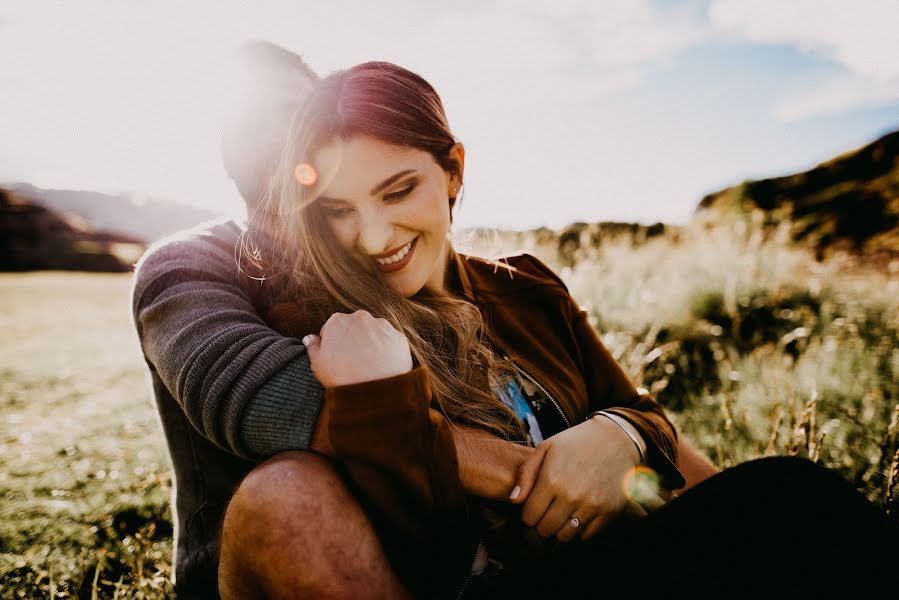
(242,385)
(488,464)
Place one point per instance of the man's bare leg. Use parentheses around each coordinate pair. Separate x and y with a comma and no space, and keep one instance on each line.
(695,466)
(294,530)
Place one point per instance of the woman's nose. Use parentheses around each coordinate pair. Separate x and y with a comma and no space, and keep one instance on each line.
(375,232)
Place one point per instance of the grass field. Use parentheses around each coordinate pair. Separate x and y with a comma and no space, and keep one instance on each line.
(84,483)
(754,349)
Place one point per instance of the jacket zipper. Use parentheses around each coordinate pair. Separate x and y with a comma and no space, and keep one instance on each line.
(567,424)
(543,389)
(468,575)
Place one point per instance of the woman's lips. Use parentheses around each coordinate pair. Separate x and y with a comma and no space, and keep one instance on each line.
(400,263)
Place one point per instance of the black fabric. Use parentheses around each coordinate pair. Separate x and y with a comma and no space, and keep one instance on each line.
(768,528)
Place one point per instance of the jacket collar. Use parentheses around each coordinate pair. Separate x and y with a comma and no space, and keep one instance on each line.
(459,278)
(473,275)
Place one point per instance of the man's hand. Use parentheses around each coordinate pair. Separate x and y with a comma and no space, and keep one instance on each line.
(357,347)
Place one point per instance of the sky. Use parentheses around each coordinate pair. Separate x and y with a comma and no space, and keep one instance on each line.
(569,110)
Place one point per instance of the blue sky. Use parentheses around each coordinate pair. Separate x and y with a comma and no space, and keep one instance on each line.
(570,110)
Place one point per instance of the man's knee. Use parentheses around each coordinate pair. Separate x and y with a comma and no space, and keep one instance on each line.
(275,515)
(289,486)
(296,509)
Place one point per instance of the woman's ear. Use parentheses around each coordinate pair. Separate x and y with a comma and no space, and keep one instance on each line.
(457,156)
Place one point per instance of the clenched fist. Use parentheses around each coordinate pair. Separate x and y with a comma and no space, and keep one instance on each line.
(357,347)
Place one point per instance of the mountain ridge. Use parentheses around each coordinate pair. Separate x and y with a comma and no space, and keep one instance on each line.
(849,202)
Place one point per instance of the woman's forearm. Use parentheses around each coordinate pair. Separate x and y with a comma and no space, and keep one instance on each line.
(488,465)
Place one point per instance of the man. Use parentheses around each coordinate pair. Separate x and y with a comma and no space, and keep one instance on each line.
(257,514)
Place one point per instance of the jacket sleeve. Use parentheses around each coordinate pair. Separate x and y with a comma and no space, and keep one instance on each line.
(609,388)
(400,455)
(396,446)
(240,384)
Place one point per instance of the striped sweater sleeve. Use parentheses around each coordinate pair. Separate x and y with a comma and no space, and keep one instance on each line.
(242,385)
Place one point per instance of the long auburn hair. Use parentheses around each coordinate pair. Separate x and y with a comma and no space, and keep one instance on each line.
(446,334)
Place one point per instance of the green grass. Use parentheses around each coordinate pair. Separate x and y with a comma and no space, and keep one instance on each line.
(84,477)
(753,347)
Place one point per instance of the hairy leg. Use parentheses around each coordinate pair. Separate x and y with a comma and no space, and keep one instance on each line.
(294,530)
(695,466)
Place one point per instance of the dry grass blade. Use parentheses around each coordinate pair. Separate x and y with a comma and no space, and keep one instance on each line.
(94,585)
(891,482)
(775,429)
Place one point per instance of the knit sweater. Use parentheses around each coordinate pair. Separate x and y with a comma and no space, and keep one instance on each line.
(230,391)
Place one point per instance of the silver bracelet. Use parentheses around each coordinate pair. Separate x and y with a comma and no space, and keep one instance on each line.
(621,423)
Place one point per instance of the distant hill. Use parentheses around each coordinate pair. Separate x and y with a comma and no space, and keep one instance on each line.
(566,246)
(34,237)
(147,221)
(849,202)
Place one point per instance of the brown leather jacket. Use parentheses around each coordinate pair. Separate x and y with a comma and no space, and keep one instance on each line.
(399,453)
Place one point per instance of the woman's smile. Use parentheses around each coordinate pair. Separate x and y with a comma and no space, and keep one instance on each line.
(397,260)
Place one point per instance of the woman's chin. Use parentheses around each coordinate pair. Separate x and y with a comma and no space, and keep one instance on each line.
(404,287)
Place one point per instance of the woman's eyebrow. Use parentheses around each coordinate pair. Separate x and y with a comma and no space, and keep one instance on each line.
(328,200)
(389,180)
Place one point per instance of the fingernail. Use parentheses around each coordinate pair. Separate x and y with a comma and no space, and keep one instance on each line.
(515,492)
(308,339)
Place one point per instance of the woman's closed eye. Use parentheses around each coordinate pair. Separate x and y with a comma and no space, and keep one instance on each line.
(337,211)
(400,194)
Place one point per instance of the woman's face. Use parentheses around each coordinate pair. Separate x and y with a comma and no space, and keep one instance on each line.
(388,207)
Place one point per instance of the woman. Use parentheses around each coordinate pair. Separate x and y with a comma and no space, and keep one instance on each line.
(416,342)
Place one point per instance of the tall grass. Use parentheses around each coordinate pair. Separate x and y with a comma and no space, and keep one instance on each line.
(755,347)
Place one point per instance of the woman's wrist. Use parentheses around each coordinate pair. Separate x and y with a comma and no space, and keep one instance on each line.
(627,428)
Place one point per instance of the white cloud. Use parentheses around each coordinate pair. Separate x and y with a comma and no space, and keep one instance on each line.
(861,37)
(838,94)
(617,33)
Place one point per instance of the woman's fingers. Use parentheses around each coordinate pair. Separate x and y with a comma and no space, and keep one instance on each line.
(313,345)
(556,521)
(357,347)
(588,530)
(527,475)
(542,493)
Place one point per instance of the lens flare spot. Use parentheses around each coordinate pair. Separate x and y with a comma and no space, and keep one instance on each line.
(305,174)
(642,485)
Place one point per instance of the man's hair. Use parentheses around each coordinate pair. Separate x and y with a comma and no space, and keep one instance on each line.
(266,54)
(265,86)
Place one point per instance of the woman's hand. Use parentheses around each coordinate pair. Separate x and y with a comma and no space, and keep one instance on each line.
(357,347)
(580,472)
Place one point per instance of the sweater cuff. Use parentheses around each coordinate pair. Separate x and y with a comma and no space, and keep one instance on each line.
(282,414)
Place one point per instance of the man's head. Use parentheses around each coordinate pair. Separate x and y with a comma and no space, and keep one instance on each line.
(269,83)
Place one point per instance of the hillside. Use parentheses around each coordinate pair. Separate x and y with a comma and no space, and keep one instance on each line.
(850,202)
(34,237)
(147,221)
